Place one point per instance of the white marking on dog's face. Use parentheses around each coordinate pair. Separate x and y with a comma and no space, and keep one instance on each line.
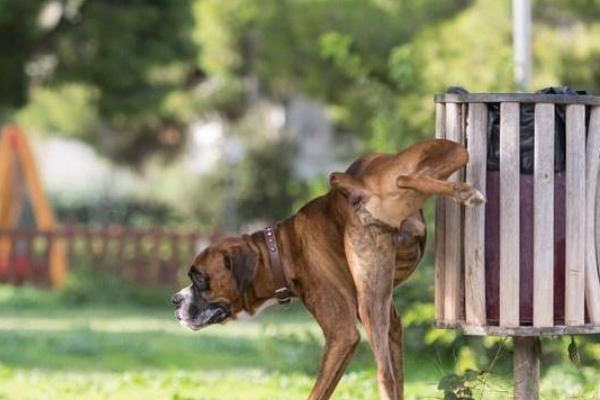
(195,312)
(183,310)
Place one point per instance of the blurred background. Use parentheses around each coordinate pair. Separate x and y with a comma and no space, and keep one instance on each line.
(157,126)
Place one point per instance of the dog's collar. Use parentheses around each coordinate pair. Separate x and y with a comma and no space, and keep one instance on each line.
(283,294)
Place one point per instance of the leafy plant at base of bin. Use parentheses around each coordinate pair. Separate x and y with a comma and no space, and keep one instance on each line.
(460,387)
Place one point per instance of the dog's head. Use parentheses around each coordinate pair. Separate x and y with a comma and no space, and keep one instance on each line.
(219,276)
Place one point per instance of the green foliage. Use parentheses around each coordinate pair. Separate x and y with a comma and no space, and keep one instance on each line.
(27,297)
(68,109)
(125,62)
(87,287)
(553,10)
(337,47)
(214,196)
(574,355)
(84,288)
(264,176)
(131,91)
(134,72)
(327,49)
(261,186)
(17,20)
(459,387)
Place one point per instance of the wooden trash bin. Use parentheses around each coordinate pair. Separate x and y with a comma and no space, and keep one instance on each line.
(526,263)
(521,266)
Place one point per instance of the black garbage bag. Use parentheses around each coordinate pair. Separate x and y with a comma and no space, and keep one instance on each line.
(526,117)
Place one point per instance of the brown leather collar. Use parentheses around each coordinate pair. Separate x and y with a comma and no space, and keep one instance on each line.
(283,294)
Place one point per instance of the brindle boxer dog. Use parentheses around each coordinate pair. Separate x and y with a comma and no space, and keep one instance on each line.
(341,254)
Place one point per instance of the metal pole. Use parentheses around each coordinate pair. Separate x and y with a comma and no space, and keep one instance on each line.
(526,362)
(522,42)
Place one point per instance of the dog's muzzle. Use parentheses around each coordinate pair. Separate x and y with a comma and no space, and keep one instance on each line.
(194,313)
(213,315)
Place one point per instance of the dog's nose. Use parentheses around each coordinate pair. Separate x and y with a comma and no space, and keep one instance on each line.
(177,299)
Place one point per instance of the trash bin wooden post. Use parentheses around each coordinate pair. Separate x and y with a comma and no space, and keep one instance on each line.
(526,367)
(510,282)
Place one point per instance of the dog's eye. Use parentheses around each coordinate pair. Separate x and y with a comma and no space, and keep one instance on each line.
(228,263)
(356,200)
(199,280)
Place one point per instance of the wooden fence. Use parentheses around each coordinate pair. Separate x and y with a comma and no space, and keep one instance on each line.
(152,257)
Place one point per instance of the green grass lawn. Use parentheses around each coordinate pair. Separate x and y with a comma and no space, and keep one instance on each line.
(60,352)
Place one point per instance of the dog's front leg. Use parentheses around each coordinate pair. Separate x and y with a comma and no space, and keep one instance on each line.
(370,252)
(336,315)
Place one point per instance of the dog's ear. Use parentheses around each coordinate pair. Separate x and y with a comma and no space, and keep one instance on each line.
(242,261)
(352,187)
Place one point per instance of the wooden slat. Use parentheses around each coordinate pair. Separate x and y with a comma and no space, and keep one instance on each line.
(543,217)
(440,223)
(509,214)
(492,330)
(6,177)
(592,281)
(575,217)
(138,271)
(12,263)
(597,227)
(453,262)
(517,98)
(28,273)
(475,216)
(121,254)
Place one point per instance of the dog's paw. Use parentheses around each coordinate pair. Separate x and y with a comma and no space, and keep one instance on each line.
(470,197)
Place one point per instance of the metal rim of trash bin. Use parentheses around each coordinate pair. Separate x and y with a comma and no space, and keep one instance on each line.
(587,100)
(454,123)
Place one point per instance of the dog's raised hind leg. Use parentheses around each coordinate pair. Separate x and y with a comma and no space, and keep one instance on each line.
(370,251)
(461,192)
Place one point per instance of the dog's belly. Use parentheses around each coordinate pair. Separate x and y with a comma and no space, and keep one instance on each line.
(407,258)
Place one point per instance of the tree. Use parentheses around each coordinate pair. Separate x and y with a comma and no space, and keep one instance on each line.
(354,55)
(570,39)
(19,36)
(132,62)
